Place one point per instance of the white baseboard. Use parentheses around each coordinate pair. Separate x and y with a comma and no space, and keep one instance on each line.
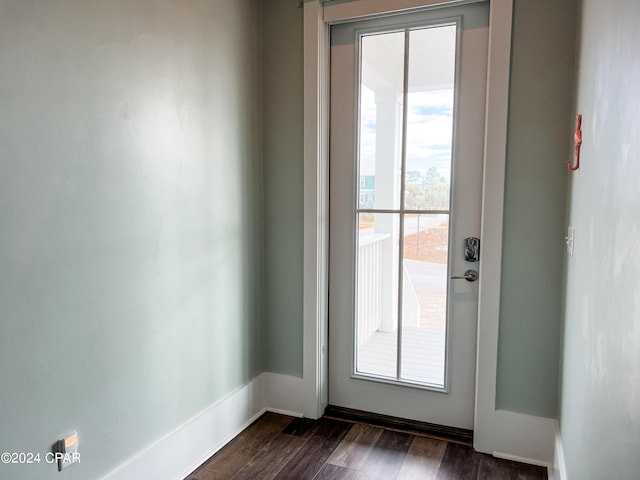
(284,412)
(516,458)
(559,469)
(285,394)
(524,438)
(183,450)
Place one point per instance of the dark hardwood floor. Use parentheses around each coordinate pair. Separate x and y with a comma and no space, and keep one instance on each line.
(281,447)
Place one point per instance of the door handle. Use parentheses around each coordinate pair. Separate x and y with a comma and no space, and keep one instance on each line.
(469,276)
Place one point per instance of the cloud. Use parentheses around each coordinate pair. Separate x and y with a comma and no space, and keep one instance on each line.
(429,131)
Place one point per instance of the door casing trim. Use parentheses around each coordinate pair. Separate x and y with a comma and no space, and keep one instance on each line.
(318,16)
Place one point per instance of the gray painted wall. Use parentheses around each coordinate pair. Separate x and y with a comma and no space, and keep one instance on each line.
(130,246)
(282,135)
(600,408)
(542,75)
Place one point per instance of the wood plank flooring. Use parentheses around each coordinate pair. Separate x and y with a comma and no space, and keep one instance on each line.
(280,447)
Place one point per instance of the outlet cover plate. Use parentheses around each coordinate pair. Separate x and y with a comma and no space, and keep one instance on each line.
(571,233)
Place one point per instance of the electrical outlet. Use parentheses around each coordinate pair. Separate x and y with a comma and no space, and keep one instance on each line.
(570,238)
(66,451)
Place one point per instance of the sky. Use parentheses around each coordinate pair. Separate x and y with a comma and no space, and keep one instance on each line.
(429,131)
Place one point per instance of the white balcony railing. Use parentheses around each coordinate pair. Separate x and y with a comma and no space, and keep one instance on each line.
(377,291)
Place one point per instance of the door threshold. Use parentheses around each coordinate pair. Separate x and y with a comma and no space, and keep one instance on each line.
(414,427)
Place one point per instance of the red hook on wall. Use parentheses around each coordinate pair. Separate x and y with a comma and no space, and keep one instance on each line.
(577,138)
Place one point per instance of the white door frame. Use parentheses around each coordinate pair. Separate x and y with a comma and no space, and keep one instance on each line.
(318,16)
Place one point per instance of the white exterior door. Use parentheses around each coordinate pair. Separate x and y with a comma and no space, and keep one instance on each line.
(406,150)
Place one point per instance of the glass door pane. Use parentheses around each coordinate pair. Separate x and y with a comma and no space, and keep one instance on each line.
(381,103)
(406,118)
(424,314)
(430,102)
(377,294)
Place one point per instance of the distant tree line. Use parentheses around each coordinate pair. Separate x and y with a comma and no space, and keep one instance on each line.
(426,190)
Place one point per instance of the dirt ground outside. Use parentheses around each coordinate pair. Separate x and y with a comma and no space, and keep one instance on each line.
(432,245)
